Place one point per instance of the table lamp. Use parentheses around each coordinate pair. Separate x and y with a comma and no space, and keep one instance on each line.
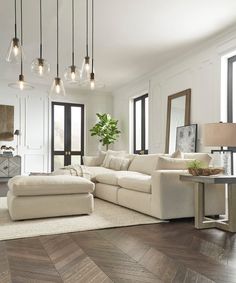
(221,135)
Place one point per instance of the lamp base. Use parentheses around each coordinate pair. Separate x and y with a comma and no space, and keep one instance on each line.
(224,158)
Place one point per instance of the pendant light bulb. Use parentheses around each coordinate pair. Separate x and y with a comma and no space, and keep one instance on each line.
(57,87)
(40,67)
(21,84)
(14,51)
(72,74)
(92,81)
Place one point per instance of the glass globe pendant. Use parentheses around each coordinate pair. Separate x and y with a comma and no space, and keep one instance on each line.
(72,73)
(40,66)
(57,87)
(21,84)
(14,51)
(85,68)
(92,75)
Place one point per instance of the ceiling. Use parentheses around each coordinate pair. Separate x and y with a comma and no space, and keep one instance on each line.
(132,37)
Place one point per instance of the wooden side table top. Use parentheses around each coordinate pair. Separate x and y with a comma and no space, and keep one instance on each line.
(214,179)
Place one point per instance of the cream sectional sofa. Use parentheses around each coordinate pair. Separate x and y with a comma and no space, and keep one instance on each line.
(150,184)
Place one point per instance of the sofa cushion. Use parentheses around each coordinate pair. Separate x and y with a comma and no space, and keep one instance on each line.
(111,178)
(145,164)
(205,158)
(96,170)
(138,182)
(168,163)
(49,185)
(110,153)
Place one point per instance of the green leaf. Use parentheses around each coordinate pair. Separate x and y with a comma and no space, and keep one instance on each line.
(106,129)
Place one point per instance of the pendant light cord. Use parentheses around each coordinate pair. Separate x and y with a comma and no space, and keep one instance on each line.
(57,42)
(92,34)
(15,22)
(73,33)
(41,29)
(87,51)
(21,26)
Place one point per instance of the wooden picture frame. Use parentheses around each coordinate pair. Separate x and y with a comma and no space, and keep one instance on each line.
(6,123)
(187,94)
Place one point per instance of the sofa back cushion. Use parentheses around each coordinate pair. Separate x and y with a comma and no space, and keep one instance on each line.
(119,163)
(205,158)
(112,153)
(168,163)
(145,164)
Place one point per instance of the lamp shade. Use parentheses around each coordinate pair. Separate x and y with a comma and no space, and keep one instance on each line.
(219,134)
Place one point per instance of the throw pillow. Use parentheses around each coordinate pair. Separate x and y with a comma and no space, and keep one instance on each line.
(177,154)
(168,163)
(119,163)
(109,153)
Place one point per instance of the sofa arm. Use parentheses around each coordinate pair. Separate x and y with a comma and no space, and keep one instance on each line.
(172,198)
(92,160)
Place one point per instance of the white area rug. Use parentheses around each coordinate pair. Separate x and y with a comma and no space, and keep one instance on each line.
(105,215)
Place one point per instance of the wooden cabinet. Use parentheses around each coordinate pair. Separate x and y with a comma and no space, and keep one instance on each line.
(10,166)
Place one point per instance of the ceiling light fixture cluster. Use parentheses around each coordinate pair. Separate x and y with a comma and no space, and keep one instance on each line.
(41,67)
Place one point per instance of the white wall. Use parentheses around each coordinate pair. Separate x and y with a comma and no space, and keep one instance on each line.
(32,117)
(199,70)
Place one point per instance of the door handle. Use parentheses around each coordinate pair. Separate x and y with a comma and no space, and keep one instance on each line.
(66,153)
(69,153)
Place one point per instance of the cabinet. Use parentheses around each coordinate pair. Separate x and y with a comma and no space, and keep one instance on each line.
(10,166)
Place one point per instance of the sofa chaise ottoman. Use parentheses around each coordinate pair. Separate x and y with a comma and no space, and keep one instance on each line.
(32,197)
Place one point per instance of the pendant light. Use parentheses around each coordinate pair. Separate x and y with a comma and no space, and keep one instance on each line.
(21,84)
(57,87)
(72,73)
(85,70)
(14,50)
(39,65)
(92,75)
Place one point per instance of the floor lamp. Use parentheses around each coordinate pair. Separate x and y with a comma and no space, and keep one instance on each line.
(17,133)
(221,135)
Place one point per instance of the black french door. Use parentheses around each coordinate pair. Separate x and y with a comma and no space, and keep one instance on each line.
(67,134)
(140,127)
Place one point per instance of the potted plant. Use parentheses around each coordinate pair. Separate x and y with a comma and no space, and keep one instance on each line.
(197,168)
(106,129)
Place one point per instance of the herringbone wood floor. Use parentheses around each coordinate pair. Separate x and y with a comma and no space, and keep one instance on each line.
(167,252)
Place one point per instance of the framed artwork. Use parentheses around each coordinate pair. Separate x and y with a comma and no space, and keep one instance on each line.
(186,138)
(6,123)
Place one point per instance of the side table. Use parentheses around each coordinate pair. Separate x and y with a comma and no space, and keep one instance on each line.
(202,222)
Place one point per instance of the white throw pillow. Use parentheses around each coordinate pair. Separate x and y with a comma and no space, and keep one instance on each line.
(110,153)
(119,163)
(177,154)
(145,164)
(168,163)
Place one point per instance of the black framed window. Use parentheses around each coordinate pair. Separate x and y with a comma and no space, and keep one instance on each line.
(140,127)
(231,98)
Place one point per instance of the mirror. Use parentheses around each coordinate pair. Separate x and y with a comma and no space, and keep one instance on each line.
(178,114)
